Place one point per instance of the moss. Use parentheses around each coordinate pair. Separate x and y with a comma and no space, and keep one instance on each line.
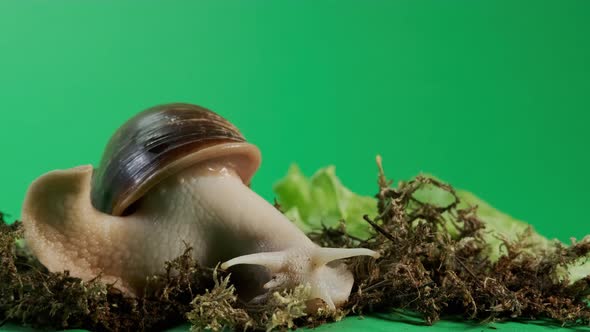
(435,272)
(217,308)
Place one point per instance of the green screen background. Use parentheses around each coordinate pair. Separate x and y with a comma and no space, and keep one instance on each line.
(492,96)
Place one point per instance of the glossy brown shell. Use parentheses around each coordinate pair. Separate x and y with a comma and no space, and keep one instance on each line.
(161,141)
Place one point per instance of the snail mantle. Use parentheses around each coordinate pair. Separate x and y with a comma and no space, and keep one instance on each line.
(173,175)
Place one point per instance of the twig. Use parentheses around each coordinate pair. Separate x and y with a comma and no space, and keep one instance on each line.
(379,228)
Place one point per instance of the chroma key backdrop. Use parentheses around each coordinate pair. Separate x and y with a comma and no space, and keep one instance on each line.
(490,96)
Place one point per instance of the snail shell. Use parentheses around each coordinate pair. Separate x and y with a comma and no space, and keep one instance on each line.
(159,142)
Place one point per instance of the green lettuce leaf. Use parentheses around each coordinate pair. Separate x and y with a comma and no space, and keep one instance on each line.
(323,200)
(498,225)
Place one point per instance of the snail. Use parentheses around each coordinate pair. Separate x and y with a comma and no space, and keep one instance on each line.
(171,176)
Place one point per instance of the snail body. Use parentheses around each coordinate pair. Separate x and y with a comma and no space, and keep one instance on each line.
(175,175)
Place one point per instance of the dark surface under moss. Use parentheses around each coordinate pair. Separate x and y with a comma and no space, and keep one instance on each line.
(423,268)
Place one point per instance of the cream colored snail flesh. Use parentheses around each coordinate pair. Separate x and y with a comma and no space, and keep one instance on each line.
(175,175)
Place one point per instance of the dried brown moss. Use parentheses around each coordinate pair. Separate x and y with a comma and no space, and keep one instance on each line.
(424,268)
